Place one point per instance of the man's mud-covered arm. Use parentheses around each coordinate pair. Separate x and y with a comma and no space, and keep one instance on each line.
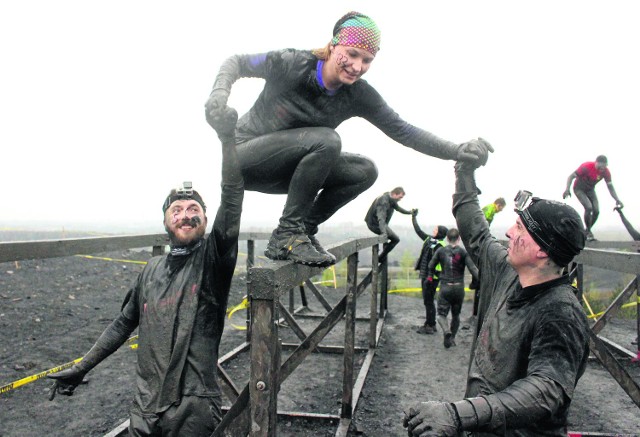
(226,225)
(470,219)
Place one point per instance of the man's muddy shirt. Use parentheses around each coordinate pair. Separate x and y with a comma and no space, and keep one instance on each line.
(539,332)
(588,176)
(294,97)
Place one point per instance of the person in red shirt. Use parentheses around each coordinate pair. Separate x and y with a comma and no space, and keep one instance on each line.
(586,177)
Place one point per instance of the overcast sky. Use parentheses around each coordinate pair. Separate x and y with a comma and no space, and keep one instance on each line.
(102,102)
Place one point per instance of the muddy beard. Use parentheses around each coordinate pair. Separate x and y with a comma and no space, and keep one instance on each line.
(177,242)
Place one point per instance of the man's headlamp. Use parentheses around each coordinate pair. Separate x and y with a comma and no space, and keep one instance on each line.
(185,190)
(521,200)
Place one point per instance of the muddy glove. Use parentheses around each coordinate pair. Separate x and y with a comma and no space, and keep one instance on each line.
(414,212)
(217,100)
(66,381)
(566,194)
(224,122)
(432,419)
(474,152)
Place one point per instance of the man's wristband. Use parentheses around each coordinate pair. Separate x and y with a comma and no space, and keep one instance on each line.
(473,412)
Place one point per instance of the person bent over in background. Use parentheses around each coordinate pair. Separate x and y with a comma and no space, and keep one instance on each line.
(586,177)
(379,215)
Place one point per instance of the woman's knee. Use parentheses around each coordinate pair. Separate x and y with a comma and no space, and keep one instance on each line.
(365,168)
(325,139)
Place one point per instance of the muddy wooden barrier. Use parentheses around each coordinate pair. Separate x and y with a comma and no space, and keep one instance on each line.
(255,410)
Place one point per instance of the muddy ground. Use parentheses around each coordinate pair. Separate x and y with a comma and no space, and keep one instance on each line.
(52,310)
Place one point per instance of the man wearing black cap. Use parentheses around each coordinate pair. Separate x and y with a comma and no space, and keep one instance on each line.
(178,305)
(531,345)
(587,176)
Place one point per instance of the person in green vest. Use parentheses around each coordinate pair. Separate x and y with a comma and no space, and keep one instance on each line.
(492,209)
(431,243)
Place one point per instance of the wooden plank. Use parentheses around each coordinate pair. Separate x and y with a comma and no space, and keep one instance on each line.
(625,262)
(263,382)
(228,387)
(373,307)
(235,351)
(293,324)
(614,307)
(360,380)
(39,249)
(618,372)
(349,336)
(318,294)
(329,349)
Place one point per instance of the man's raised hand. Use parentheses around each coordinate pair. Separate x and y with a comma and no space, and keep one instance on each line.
(475,152)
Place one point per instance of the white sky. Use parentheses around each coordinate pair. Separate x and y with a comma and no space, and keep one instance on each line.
(102,102)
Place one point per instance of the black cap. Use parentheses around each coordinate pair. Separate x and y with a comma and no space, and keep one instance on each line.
(602,158)
(182,195)
(442,232)
(556,227)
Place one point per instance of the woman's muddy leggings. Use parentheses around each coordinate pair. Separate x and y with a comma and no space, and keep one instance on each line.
(309,166)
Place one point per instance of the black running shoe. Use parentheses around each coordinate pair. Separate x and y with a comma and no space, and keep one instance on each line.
(317,246)
(297,248)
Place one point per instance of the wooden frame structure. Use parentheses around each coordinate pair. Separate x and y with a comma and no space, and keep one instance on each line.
(624,262)
(255,410)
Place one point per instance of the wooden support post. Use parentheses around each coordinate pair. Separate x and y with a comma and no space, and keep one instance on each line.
(615,306)
(318,294)
(303,297)
(616,370)
(580,280)
(157,250)
(251,258)
(373,308)
(383,288)
(265,362)
(638,313)
(292,304)
(349,336)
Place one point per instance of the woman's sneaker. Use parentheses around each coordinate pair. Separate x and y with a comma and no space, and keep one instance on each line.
(317,246)
(297,248)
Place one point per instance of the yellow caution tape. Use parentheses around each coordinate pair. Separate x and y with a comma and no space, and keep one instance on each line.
(241,306)
(131,261)
(416,290)
(626,305)
(13,385)
(28,379)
